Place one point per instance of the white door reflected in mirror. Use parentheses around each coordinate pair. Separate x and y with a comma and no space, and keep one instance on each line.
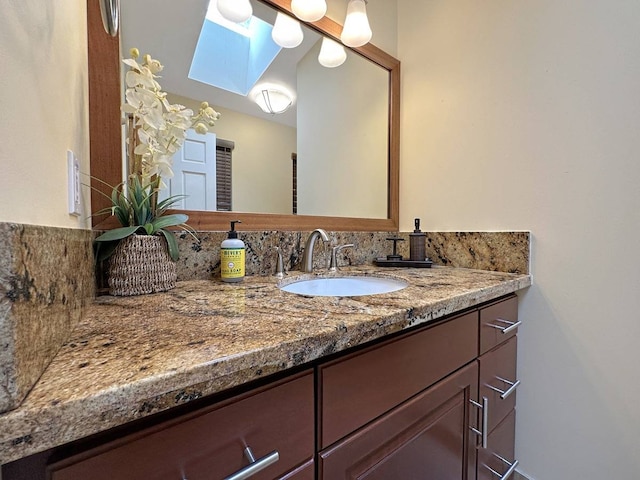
(194,173)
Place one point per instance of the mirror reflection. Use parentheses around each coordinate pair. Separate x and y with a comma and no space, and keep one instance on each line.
(326,154)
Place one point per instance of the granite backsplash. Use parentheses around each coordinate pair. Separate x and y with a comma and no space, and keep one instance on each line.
(46,280)
(494,251)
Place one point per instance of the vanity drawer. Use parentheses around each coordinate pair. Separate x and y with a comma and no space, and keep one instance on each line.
(498,380)
(210,444)
(363,386)
(499,454)
(498,322)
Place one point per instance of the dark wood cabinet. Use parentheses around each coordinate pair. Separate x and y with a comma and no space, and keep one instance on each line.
(275,423)
(497,386)
(303,472)
(360,387)
(498,381)
(498,322)
(496,462)
(419,405)
(426,437)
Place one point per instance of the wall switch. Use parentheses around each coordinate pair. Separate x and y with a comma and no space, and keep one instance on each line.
(73,173)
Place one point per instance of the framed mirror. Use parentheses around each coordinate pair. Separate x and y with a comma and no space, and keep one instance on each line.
(323,193)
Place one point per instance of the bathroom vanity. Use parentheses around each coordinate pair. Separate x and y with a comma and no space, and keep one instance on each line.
(378,387)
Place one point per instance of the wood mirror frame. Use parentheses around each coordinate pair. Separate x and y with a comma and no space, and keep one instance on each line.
(106,137)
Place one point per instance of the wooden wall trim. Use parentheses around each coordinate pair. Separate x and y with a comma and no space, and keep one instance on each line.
(105,135)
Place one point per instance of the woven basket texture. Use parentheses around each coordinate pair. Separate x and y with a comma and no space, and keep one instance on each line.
(141,264)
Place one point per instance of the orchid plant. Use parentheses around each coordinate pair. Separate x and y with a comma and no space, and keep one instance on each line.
(158,131)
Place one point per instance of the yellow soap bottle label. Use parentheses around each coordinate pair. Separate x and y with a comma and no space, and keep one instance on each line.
(232,262)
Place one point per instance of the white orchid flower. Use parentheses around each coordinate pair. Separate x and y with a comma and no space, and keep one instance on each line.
(161,127)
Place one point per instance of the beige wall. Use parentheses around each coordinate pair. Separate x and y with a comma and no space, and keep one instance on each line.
(343,171)
(525,115)
(44,105)
(261,162)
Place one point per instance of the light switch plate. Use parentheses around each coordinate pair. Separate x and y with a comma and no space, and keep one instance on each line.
(73,175)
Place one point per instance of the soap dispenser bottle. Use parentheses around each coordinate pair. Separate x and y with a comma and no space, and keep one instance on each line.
(417,247)
(232,255)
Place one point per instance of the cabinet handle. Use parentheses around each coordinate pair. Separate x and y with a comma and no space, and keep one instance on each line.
(484,433)
(505,393)
(507,474)
(255,466)
(510,326)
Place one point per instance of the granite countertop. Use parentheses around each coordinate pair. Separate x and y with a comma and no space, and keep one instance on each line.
(134,356)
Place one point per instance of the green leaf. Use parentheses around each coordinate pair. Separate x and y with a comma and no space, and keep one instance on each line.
(169,202)
(104,250)
(169,221)
(172,244)
(117,234)
(114,196)
(149,228)
(123,216)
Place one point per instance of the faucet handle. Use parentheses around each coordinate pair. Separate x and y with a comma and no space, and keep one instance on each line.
(280,273)
(395,255)
(333,265)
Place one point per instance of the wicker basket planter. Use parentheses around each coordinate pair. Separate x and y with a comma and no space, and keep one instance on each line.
(141,264)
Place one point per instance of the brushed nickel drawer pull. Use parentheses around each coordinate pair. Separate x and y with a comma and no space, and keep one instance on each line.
(507,474)
(255,466)
(484,433)
(510,326)
(505,393)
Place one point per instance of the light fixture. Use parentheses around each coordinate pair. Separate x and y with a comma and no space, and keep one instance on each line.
(356,31)
(237,11)
(272,99)
(287,31)
(332,54)
(309,10)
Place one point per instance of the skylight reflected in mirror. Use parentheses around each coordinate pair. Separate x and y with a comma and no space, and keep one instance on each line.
(245,51)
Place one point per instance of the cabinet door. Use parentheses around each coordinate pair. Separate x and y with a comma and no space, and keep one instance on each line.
(210,445)
(496,462)
(427,437)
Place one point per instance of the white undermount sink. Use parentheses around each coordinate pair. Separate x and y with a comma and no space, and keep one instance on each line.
(344,286)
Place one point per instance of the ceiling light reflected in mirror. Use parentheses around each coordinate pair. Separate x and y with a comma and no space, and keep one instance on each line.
(273,99)
(236,11)
(287,31)
(356,31)
(332,54)
(309,10)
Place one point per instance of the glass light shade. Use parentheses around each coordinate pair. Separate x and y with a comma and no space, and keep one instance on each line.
(287,31)
(236,11)
(332,54)
(309,10)
(273,101)
(356,31)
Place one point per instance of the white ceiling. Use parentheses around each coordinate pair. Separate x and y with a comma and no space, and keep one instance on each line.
(169,31)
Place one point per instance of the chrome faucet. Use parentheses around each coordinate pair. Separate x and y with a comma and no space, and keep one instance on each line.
(280,273)
(307,257)
(333,263)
